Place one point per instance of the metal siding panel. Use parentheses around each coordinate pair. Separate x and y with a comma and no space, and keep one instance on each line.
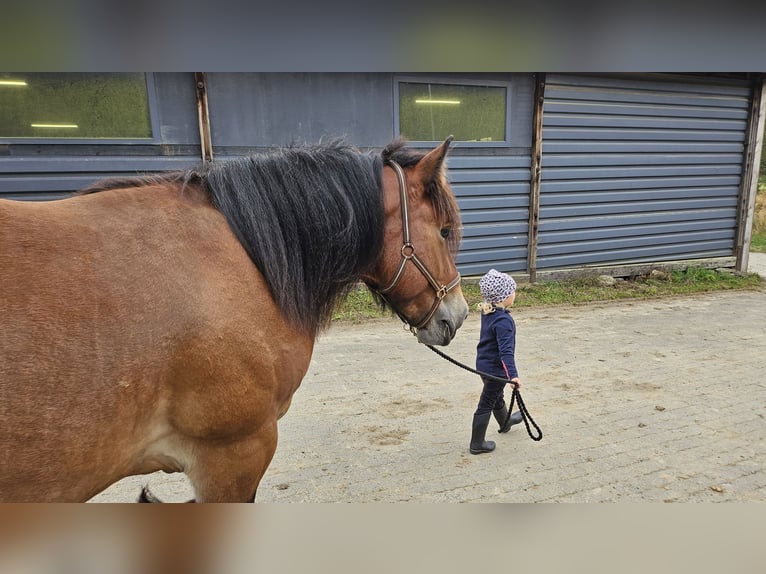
(493,202)
(493,195)
(645,183)
(269,109)
(644,159)
(506,265)
(487,162)
(46,178)
(642,218)
(493,188)
(642,255)
(553,132)
(176,108)
(643,122)
(65,182)
(493,215)
(614,173)
(502,254)
(653,109)
(633,231)
(487,175)
(635,170)
(495,228)
(37,196)
(635,207)
(637,195)
(493,242)
(641,85)
(67,164)
(614,244)
(640,147)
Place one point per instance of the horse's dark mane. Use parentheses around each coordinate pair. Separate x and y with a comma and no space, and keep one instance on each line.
(310,218)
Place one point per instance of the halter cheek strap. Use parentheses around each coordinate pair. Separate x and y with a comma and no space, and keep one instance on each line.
(408,254)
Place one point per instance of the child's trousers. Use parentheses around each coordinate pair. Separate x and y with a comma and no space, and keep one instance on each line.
(491,396)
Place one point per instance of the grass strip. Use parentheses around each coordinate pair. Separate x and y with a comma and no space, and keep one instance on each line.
(360,305)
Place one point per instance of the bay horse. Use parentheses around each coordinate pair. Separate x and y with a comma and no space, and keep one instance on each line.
(163,322)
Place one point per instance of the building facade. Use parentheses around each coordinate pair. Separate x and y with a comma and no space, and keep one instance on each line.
(553,172)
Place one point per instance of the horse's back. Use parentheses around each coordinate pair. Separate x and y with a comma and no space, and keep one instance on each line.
(129,316)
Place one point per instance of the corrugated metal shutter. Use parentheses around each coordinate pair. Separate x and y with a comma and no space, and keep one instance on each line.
(493,195)
(46,178)
(639,170)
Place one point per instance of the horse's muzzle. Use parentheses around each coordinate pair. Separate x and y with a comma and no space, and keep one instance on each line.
(447,319)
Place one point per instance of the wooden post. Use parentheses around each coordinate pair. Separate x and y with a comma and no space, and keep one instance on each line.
(535,173)
(749,186)
(205,140)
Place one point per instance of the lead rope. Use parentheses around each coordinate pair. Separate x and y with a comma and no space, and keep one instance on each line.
(515,397)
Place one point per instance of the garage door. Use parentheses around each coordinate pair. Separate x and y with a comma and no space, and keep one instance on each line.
(637,170)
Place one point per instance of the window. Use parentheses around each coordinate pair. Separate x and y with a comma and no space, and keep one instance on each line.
(429,112)
(74,105)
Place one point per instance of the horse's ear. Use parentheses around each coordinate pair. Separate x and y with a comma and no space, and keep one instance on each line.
(430,165)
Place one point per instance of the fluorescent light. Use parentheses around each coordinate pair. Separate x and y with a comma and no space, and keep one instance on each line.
(55,126)
(12,83)
(448,102)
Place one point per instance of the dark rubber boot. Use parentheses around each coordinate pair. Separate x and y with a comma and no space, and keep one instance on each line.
(501,414)
(478,444)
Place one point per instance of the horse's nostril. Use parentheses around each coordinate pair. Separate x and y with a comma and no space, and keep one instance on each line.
(450,328)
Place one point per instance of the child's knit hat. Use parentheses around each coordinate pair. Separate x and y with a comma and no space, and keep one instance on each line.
(496,287)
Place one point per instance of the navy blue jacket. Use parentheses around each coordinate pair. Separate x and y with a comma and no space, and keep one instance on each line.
(497,344)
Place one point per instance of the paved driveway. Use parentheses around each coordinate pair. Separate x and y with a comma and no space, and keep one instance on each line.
(658,400)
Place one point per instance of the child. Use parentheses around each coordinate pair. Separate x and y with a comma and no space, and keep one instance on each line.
(495,356)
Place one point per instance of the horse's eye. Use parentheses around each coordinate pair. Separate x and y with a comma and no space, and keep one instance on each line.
(445,232)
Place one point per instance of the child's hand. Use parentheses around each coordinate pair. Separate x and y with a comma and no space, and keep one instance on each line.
(517,381)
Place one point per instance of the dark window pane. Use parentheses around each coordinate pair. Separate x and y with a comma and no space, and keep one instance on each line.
(431,112)
(74,105)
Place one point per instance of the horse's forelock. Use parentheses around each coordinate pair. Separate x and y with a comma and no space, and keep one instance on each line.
(398,151)
(437,190)
(447,210)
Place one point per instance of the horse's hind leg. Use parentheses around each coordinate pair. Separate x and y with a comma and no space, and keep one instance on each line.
(231,472)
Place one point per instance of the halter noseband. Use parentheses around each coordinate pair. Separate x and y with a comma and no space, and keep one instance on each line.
(408,254)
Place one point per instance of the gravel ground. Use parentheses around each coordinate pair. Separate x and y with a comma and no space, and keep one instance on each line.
(652,400)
